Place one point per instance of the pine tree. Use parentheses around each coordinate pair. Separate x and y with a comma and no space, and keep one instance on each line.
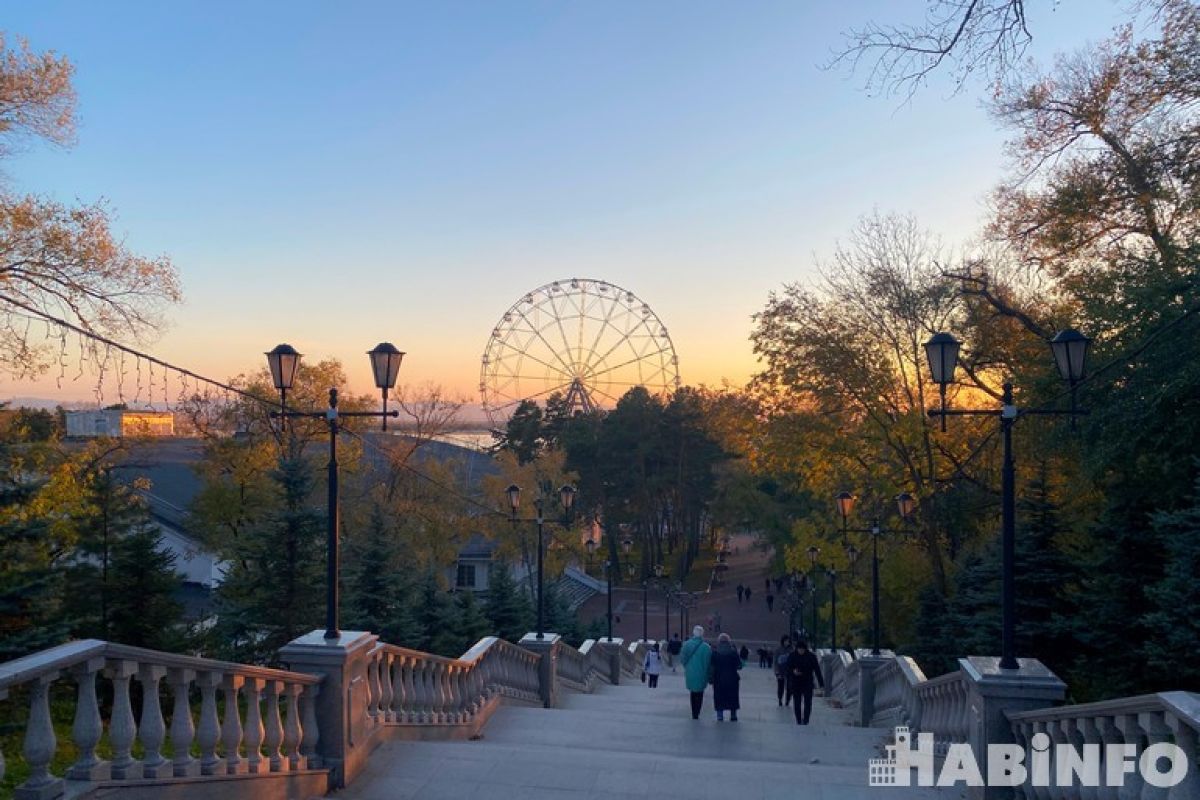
(559,617)
(507,608)
(379,593)
(472,624)
(143,609)
(438,615)
(1173,628)
(274,589)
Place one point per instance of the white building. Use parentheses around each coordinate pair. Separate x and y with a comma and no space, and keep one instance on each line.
(118,423)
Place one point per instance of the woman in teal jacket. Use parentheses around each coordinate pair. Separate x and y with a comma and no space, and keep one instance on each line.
(696,657)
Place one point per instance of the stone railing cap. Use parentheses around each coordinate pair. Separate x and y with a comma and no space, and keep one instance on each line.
(1031,674)
(547,638)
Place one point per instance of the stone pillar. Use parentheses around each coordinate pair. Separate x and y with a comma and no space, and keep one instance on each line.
(992,692)
(611,648)
(547,649)
(341,705)
(866,687)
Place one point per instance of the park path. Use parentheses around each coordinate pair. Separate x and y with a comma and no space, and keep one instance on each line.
(748,621)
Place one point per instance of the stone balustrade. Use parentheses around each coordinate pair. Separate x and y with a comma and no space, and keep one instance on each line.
(409,687)
(942,708)
(896,699)
(584,668)
(268,724)
(1169,717)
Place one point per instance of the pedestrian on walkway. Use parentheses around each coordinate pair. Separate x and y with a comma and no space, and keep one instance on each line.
(783,687)
(741,590)
(770,603)
(673,648)
(652,665)
(717,622)
(696,657)
(767,585)
(744,654)
(802,667)
(747,594)
(726,662)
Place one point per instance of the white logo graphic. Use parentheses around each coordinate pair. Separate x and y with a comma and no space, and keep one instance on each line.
(1161,765)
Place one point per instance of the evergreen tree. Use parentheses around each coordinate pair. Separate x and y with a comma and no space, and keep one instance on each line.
(274,590)
(31,592)
(438,615)
(472,624)
(507,608)
(1173,628)
(379,593)
(559,617)
(143,610)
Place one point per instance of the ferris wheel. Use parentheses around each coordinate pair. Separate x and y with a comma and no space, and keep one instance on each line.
(586,340)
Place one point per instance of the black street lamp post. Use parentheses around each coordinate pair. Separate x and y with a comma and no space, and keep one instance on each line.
(566,498)
(1070,348)
(845,503)
(813,552)
(832,573)
(284,364)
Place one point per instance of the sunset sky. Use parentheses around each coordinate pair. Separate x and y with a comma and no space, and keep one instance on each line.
(336,174)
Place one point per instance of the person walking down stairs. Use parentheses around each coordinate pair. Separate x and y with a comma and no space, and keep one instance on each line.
(783,686)
(696,656)
(726,662)
(802,667)
(652,666)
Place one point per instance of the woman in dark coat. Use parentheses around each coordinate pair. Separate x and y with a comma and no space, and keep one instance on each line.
(725,666)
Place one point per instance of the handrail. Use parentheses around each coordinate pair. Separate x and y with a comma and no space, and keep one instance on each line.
(271,708)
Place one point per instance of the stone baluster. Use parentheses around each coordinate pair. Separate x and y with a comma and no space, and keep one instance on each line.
(1021,734)
(273,727)
(88,727)
(208,732)
(387,691)
(438,676)
(310,733)
(292,731)
(121,726)
(1154,725)
(182,731)
(231,726)
(411,689)
(1039,792)
(1109,734)
(152,730)
(403,689)
(40,742)
(425,692)
(1131,733)
(1187,740)
(253,732)
(1088,734)
(1057,730)
(372,710)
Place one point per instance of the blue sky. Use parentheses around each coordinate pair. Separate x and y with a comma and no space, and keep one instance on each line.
(334,174)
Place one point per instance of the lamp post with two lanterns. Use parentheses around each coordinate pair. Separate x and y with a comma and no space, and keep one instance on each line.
(1069,348)
(566,498)
(284,364)
(906,504)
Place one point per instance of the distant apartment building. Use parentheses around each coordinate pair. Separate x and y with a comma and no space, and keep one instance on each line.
(119,423)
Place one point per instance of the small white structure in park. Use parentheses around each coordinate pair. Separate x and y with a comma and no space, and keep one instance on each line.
(118,422)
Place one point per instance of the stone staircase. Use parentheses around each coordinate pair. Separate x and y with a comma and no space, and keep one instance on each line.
(630,741)
(576,588)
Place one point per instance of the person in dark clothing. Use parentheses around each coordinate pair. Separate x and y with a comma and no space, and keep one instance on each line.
(744,654)
(783,688)
(770,603)
(747,594)
(741,591)
(673,648)
(802,666)
(725,679)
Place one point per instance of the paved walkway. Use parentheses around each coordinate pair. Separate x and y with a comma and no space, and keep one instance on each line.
(746,621)
(633,742)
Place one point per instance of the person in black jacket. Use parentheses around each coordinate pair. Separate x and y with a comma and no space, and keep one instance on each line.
(802,667)
(724,677)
